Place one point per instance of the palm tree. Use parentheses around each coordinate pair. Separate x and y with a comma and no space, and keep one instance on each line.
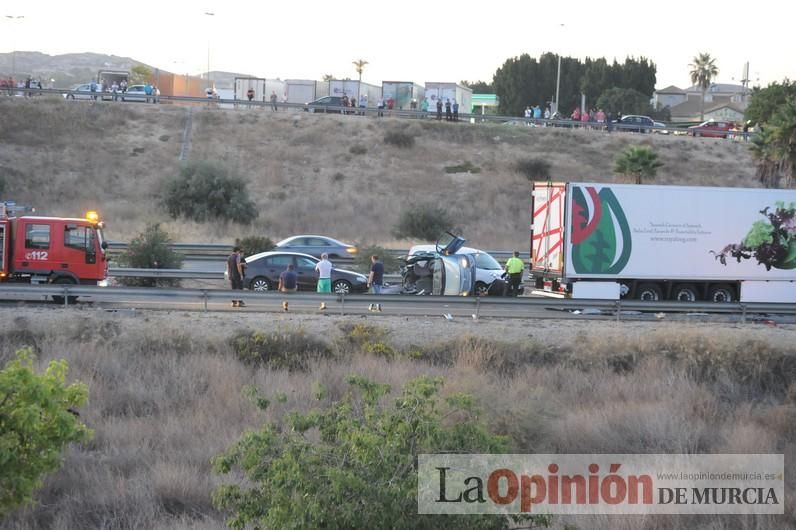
(703,70)
(638,163)
(360,67)
(775,148)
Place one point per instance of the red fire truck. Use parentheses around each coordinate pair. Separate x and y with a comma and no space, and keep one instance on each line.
(57,250)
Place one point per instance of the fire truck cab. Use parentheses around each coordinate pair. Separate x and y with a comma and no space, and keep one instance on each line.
(51,249)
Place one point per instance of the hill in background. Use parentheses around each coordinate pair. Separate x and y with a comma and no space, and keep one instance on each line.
(71,69)
(316,173)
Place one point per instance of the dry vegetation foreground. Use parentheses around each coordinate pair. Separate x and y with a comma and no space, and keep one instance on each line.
(166,395)
(313,173)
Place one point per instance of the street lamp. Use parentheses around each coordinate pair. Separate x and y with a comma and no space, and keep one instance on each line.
(558,76)
(14,51)
(209,14)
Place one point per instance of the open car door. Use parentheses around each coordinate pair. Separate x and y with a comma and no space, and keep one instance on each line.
(449,243)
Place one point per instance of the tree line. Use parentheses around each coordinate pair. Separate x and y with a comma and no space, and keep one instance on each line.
(526,80)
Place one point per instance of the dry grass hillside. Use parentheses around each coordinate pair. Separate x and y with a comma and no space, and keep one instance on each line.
(66,157)
(166,395)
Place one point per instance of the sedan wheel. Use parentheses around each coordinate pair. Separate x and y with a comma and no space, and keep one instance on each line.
(260,284)
(481,289)
(341,287)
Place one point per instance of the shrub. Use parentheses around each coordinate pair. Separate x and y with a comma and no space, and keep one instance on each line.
(205,191)
(37,420)
(251,245)
(400,139)
(426,221)
(289,350)
(533,168)
(150,250)
(637,163)
(358,149)
(359,469)
(362,259)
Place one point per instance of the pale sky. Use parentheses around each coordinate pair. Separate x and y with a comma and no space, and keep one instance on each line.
(441,42)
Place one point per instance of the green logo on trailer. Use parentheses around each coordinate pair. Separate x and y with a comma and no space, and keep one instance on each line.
(601,242)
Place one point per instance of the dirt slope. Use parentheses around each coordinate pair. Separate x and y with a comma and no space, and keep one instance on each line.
(66,157)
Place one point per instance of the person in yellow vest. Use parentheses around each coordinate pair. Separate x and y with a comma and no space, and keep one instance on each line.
(514,268)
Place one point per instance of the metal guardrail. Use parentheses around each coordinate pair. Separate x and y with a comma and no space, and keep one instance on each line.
(183,274)
(211,251)
(373,111)
(474,304)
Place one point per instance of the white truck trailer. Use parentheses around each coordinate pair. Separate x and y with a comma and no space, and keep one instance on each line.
(452,91)
(687,243)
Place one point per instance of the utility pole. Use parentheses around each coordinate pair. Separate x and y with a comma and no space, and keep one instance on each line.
(209,83)
(14,51)
(558,73)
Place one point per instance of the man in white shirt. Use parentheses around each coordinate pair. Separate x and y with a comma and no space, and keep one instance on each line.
(324,269)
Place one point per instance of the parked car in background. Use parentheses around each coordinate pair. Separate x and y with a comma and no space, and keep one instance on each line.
(85,87)
(317,245)
(635,123)
(712,129)
(323,104)
(263,270)
(660,128)
(487,268)
(136,93)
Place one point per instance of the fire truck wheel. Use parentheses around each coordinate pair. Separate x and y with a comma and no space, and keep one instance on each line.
(60,299)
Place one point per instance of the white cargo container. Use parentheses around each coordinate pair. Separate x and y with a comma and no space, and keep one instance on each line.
(664,242)
(243,84)
(403,92)
(303,91)
(354,88)
(451,91)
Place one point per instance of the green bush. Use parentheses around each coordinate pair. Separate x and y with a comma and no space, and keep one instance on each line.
(37,421)
(533,168)
(150,250)
(637,163)
(362,260)
(205,191)
(251,245)
(400,139)
(425,221)
(289,350)
(353,464)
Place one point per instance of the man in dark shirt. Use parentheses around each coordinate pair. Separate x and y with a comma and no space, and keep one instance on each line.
(288,280)
(376,279)
(235,265)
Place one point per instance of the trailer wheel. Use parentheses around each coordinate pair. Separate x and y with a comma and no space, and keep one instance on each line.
(721,293)
(685,292)
(64,281)
(649,292)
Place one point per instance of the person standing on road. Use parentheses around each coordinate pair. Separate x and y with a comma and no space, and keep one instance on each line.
(514,268)
(273,100)
(439,109)
(235,273)
(455,107)
(376,279)
(424,107)
(324,269)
